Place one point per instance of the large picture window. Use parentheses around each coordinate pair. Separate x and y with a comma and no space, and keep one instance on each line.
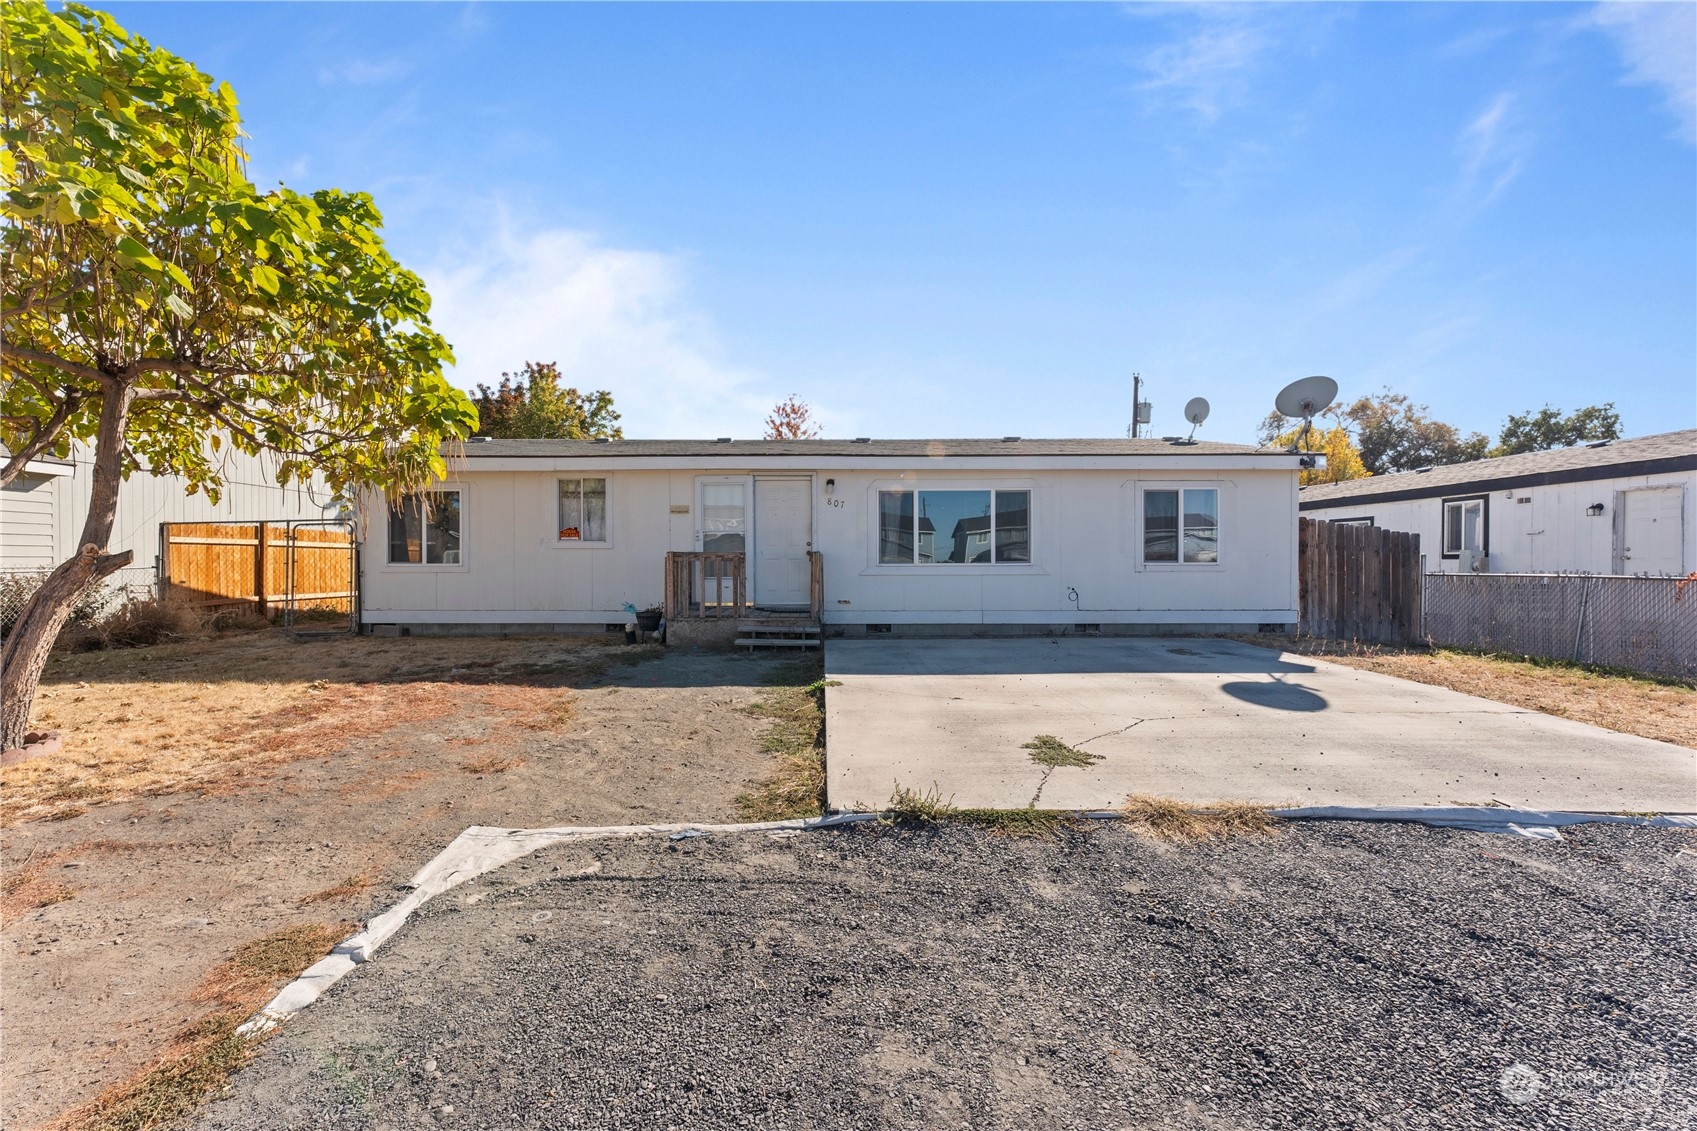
(1182,525)
(987,527)
(583,510)
(424,528)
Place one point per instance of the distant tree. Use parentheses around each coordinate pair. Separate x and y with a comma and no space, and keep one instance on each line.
(1343,459)
(531,405)
(791,419)
(1395,434)
(1547,428)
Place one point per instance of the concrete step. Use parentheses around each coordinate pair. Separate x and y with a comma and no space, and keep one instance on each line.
(752,642)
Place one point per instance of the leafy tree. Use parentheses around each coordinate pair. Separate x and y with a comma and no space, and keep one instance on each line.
(1343,459)
(791,419)
(530,405)
(1547,428)
(1395,434)
(156,304)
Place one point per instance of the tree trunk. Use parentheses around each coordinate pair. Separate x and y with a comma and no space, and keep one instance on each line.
(32,637)
(25,652)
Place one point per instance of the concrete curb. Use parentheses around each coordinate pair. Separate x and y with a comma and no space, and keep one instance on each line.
(1537,823)
(477,850)
(481,849)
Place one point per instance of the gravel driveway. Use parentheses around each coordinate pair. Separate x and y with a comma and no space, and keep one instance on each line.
(1341,975)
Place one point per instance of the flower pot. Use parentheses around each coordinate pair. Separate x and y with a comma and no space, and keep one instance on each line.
(648,621)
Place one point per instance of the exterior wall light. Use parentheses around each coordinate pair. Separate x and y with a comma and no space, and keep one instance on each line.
(830,486)
(1594,510)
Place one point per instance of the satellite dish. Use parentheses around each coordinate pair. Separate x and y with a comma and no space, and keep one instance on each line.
(1196,411)
(1306,398)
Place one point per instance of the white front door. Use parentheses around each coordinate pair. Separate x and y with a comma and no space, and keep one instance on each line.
(783,534)
(1653,531)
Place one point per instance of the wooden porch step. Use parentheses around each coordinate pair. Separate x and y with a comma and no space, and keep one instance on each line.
(796,633)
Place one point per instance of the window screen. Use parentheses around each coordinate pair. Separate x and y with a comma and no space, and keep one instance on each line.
(583,510)
(424,528)
(1182,525)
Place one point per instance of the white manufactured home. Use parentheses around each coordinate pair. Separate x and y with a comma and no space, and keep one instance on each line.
(43,510)
(855,536)
(1614,507)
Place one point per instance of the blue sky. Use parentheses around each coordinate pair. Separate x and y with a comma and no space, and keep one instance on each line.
(959,220)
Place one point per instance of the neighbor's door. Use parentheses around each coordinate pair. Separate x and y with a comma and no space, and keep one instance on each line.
(783,533)
(1653,531)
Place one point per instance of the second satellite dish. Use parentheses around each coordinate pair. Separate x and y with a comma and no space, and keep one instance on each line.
(1196,409)
(1306,398)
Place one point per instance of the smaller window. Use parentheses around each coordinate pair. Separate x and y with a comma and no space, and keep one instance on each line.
(583,510)
(424,529)
(1367,521)
(1464,527)
(1182,526)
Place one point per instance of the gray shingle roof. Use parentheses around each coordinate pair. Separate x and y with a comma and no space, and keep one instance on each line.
(913,449)
(1667,451)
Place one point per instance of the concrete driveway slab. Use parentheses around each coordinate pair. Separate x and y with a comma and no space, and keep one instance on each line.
(1207,720)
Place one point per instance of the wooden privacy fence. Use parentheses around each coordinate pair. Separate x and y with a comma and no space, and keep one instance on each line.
(1358,582)
(269,565)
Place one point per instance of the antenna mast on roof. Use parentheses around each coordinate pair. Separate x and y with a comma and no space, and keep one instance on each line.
(1140,408)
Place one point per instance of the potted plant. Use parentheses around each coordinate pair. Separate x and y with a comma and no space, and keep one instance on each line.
(648,620)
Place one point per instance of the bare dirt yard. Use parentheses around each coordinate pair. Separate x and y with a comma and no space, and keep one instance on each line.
(225,809)
(1665,710)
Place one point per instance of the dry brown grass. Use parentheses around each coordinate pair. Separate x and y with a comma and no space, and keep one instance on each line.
(1167,819)
(346,889)
(795,785)
(1665,710)
(492,764)
(204,1054)
(210,715)
(27,886)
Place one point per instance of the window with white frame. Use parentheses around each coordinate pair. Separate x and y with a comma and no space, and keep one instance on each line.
(424,528)
(583,510)
(1464,526)
(983,527)
(1181,525)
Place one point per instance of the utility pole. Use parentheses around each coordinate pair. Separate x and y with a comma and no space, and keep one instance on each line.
(1136,399)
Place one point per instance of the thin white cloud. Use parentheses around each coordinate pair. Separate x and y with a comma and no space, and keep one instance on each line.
(364,72)
(1493,147)
(1473,42)
(1658,44)
(611,318)
(1205,70)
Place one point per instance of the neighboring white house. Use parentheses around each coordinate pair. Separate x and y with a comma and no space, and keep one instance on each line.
(912,535)
(43,510)
(1618,506)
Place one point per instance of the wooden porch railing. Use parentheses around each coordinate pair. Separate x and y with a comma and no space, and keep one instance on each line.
(705,585)
(816,584)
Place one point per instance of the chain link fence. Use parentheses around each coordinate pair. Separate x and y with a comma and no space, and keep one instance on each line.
(17,586)
(1644,624)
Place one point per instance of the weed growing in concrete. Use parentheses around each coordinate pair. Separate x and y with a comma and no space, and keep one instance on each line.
(1047,750)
